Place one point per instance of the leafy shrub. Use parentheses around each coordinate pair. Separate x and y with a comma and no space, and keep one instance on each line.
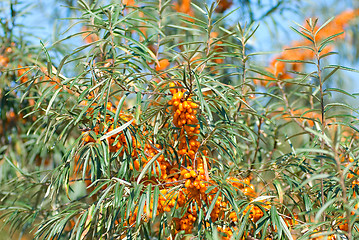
(162,124)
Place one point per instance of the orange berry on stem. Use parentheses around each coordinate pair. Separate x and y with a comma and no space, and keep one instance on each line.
(193,173)
(187,175)
(188,183)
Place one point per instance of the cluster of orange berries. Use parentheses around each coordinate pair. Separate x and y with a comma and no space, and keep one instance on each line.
(226,232)
(116,141)
(185,7)
(190,171)
(89,37)
(185,119)
(244,185)
(330,237)
(11,120)
(217,47)
(194,179)
(22,70)
(164,170)
(186,222)
(255,212)
(303,115)
(223,5)
(195,173)
(247,189)
(4,61)
(281,69)
(166,202)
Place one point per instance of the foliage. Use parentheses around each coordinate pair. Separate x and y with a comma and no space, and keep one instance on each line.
(165,124)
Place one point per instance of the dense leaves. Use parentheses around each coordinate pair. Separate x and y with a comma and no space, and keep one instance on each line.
(164,124)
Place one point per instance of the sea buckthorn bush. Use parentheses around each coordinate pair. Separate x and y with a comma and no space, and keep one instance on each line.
(168,122)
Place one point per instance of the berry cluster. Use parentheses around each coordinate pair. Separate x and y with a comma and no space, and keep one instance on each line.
(117,142)
(190,172)
(281,70)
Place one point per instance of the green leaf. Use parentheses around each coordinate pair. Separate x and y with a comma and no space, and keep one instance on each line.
(323,43)
(243,225)
(327,204)
(302,34)
(203,103)
(324,24)
(156,194)
(213,203)
(225,16)
(52,100)
(295,61)
(330,74)
(340,91)
(327,54)
(117,130)
(285,228)
(14,166)
(138,106)
(148,165)
(311,179)
(342,68)
(339,105)
(49,64)
(81,227)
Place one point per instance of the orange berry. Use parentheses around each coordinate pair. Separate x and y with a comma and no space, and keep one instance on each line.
(136,164)
(184,171)
(193,173)
(186,105)
(187,175)
(182,152)
(194,105)
(163,64)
